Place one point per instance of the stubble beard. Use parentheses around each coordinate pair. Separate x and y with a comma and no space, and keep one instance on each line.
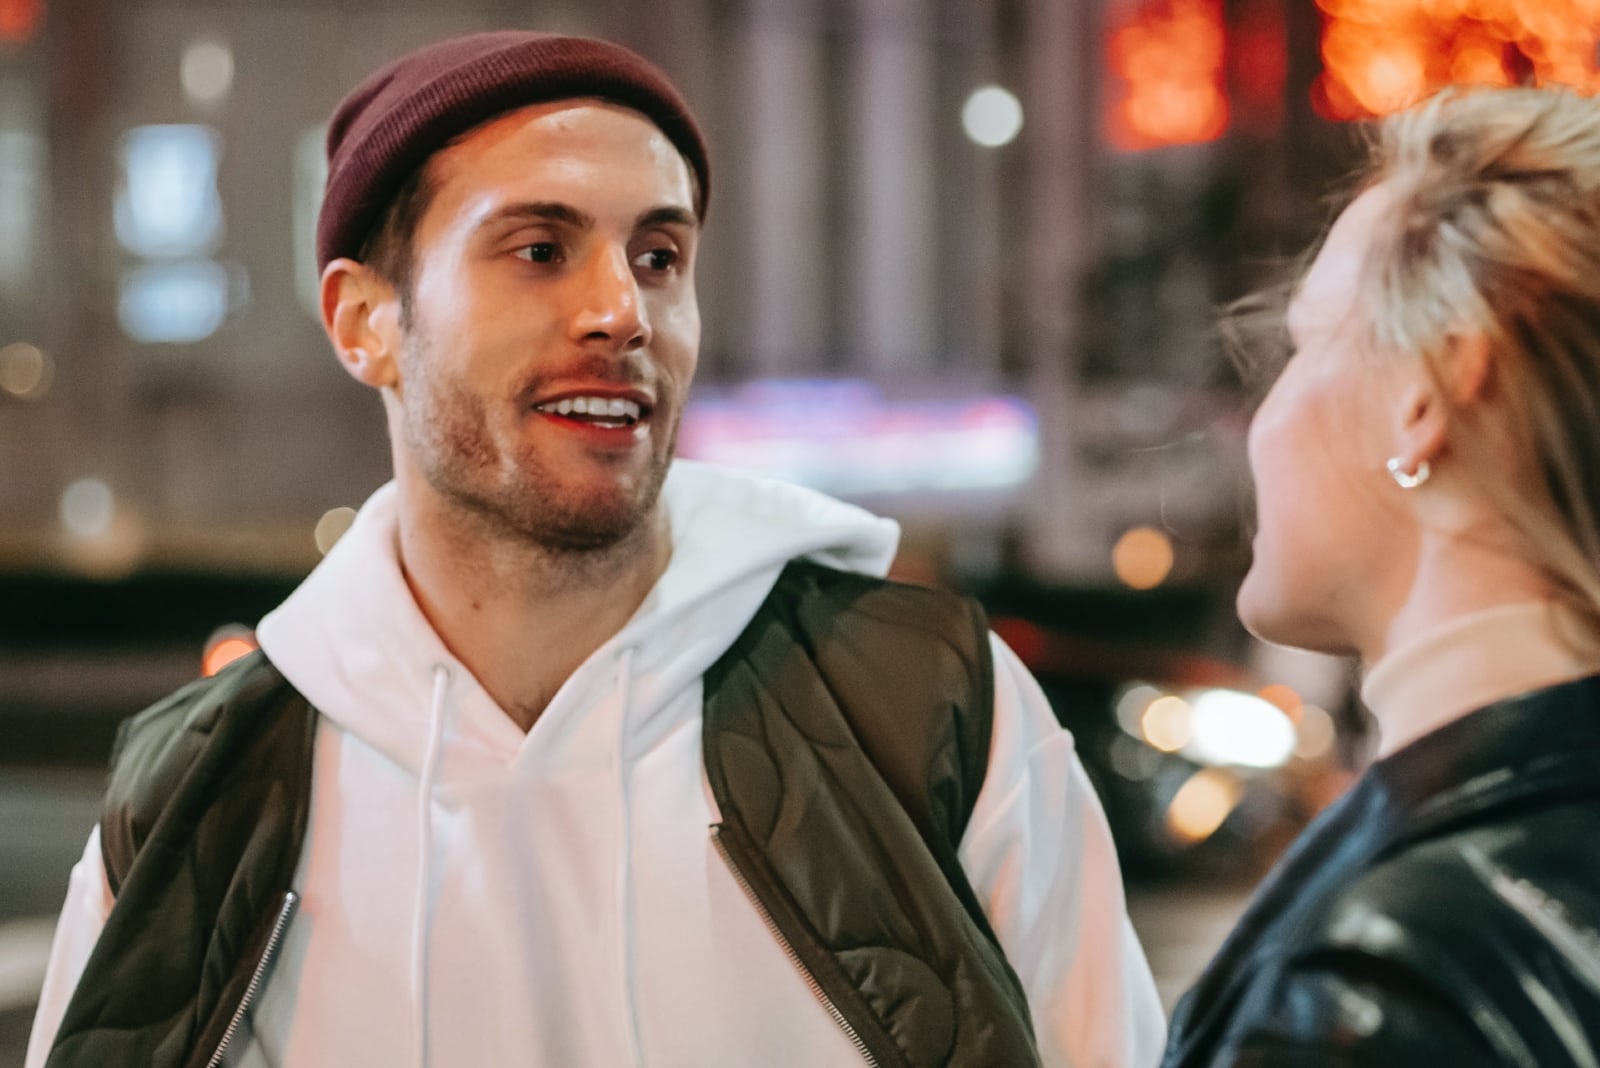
(516,496)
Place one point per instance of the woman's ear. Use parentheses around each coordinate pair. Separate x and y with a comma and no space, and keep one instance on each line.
(1422,423)
(361,316)
(1464,368)
(1458,378)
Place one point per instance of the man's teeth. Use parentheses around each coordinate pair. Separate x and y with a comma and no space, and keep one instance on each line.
(595,407)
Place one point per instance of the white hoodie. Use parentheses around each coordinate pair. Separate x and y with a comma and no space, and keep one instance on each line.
(475,895)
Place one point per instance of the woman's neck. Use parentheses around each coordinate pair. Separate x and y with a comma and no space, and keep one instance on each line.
(1473,659)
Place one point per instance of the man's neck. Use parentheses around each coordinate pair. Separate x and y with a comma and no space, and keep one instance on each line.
(522,617)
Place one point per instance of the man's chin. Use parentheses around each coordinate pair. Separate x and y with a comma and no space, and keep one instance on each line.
(590,517)
(578,507)
(587,533)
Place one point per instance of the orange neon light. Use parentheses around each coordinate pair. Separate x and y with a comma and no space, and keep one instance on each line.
(1167,60)
(224,653)
(1381,55)
(19,19)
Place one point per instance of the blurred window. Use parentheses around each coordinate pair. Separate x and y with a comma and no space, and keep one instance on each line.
(169,214)
(173,302)
(168,206)
(310,175)
(21,165)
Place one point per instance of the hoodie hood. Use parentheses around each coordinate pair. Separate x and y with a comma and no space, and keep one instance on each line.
(353,641)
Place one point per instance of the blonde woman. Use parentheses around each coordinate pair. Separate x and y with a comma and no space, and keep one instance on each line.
(1427,467)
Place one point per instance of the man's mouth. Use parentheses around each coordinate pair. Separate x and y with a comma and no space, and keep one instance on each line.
(614,412)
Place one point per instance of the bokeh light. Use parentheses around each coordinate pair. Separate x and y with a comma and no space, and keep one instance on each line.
(331,527)
(992,116)
(1131,705)
(1315,733)
(20,19)
(1202,804)
(26,371)
(1284,697)
(207,71)
(1142,558)
(1382,55)
(1167,63)
(1229,727)
(87,508)
(226,645)
(1166,723)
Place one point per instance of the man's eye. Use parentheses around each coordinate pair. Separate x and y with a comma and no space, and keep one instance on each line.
(657,259)
(539,252)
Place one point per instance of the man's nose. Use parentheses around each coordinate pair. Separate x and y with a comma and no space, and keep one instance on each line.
(608,302)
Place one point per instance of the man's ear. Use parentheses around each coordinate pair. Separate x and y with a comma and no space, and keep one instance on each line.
(361,316)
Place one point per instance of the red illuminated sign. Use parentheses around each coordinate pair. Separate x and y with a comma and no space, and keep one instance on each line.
(1381,55)
(1168,71)
(19,19)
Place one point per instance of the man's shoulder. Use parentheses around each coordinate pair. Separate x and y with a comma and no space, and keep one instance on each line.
(908,667)
(190,713)
(220,722)
(870,599)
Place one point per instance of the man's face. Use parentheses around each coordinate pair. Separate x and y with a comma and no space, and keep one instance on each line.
(551,330)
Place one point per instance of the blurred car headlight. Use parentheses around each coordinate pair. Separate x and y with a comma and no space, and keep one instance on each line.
(1202,804)
(1220,727)
(1240,729)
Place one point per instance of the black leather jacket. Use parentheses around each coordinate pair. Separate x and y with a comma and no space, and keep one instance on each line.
(1446,911)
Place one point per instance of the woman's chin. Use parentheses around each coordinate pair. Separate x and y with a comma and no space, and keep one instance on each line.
(1256,619)
(1250,602)
(1277,620)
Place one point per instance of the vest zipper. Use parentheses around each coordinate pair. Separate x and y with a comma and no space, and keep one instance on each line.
(290,901)
(788,949)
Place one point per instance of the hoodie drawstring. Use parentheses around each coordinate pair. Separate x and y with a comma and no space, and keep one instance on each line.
(419,908)
(625,906)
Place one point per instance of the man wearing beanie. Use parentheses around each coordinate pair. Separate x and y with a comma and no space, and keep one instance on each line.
(569,753)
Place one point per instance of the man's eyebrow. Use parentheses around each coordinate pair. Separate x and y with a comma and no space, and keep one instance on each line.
(555,211)
(669,215)
(541,211)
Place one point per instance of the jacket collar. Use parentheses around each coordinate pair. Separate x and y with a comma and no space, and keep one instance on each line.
(1537,744)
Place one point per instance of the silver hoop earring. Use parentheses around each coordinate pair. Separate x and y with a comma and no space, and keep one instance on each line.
(1408,480)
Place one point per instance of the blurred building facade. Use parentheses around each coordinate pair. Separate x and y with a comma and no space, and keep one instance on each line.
(173,403)
(963,255)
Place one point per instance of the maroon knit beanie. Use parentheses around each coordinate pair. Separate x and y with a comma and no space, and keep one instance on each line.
(394,120)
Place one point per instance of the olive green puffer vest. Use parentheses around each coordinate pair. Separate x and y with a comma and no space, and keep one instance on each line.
(846,733)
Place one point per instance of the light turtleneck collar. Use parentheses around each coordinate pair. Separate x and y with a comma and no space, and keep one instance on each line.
(1472,661)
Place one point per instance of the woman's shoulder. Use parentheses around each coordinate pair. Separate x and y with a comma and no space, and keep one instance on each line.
(1528,875)
(1483,937)
(1471,938)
